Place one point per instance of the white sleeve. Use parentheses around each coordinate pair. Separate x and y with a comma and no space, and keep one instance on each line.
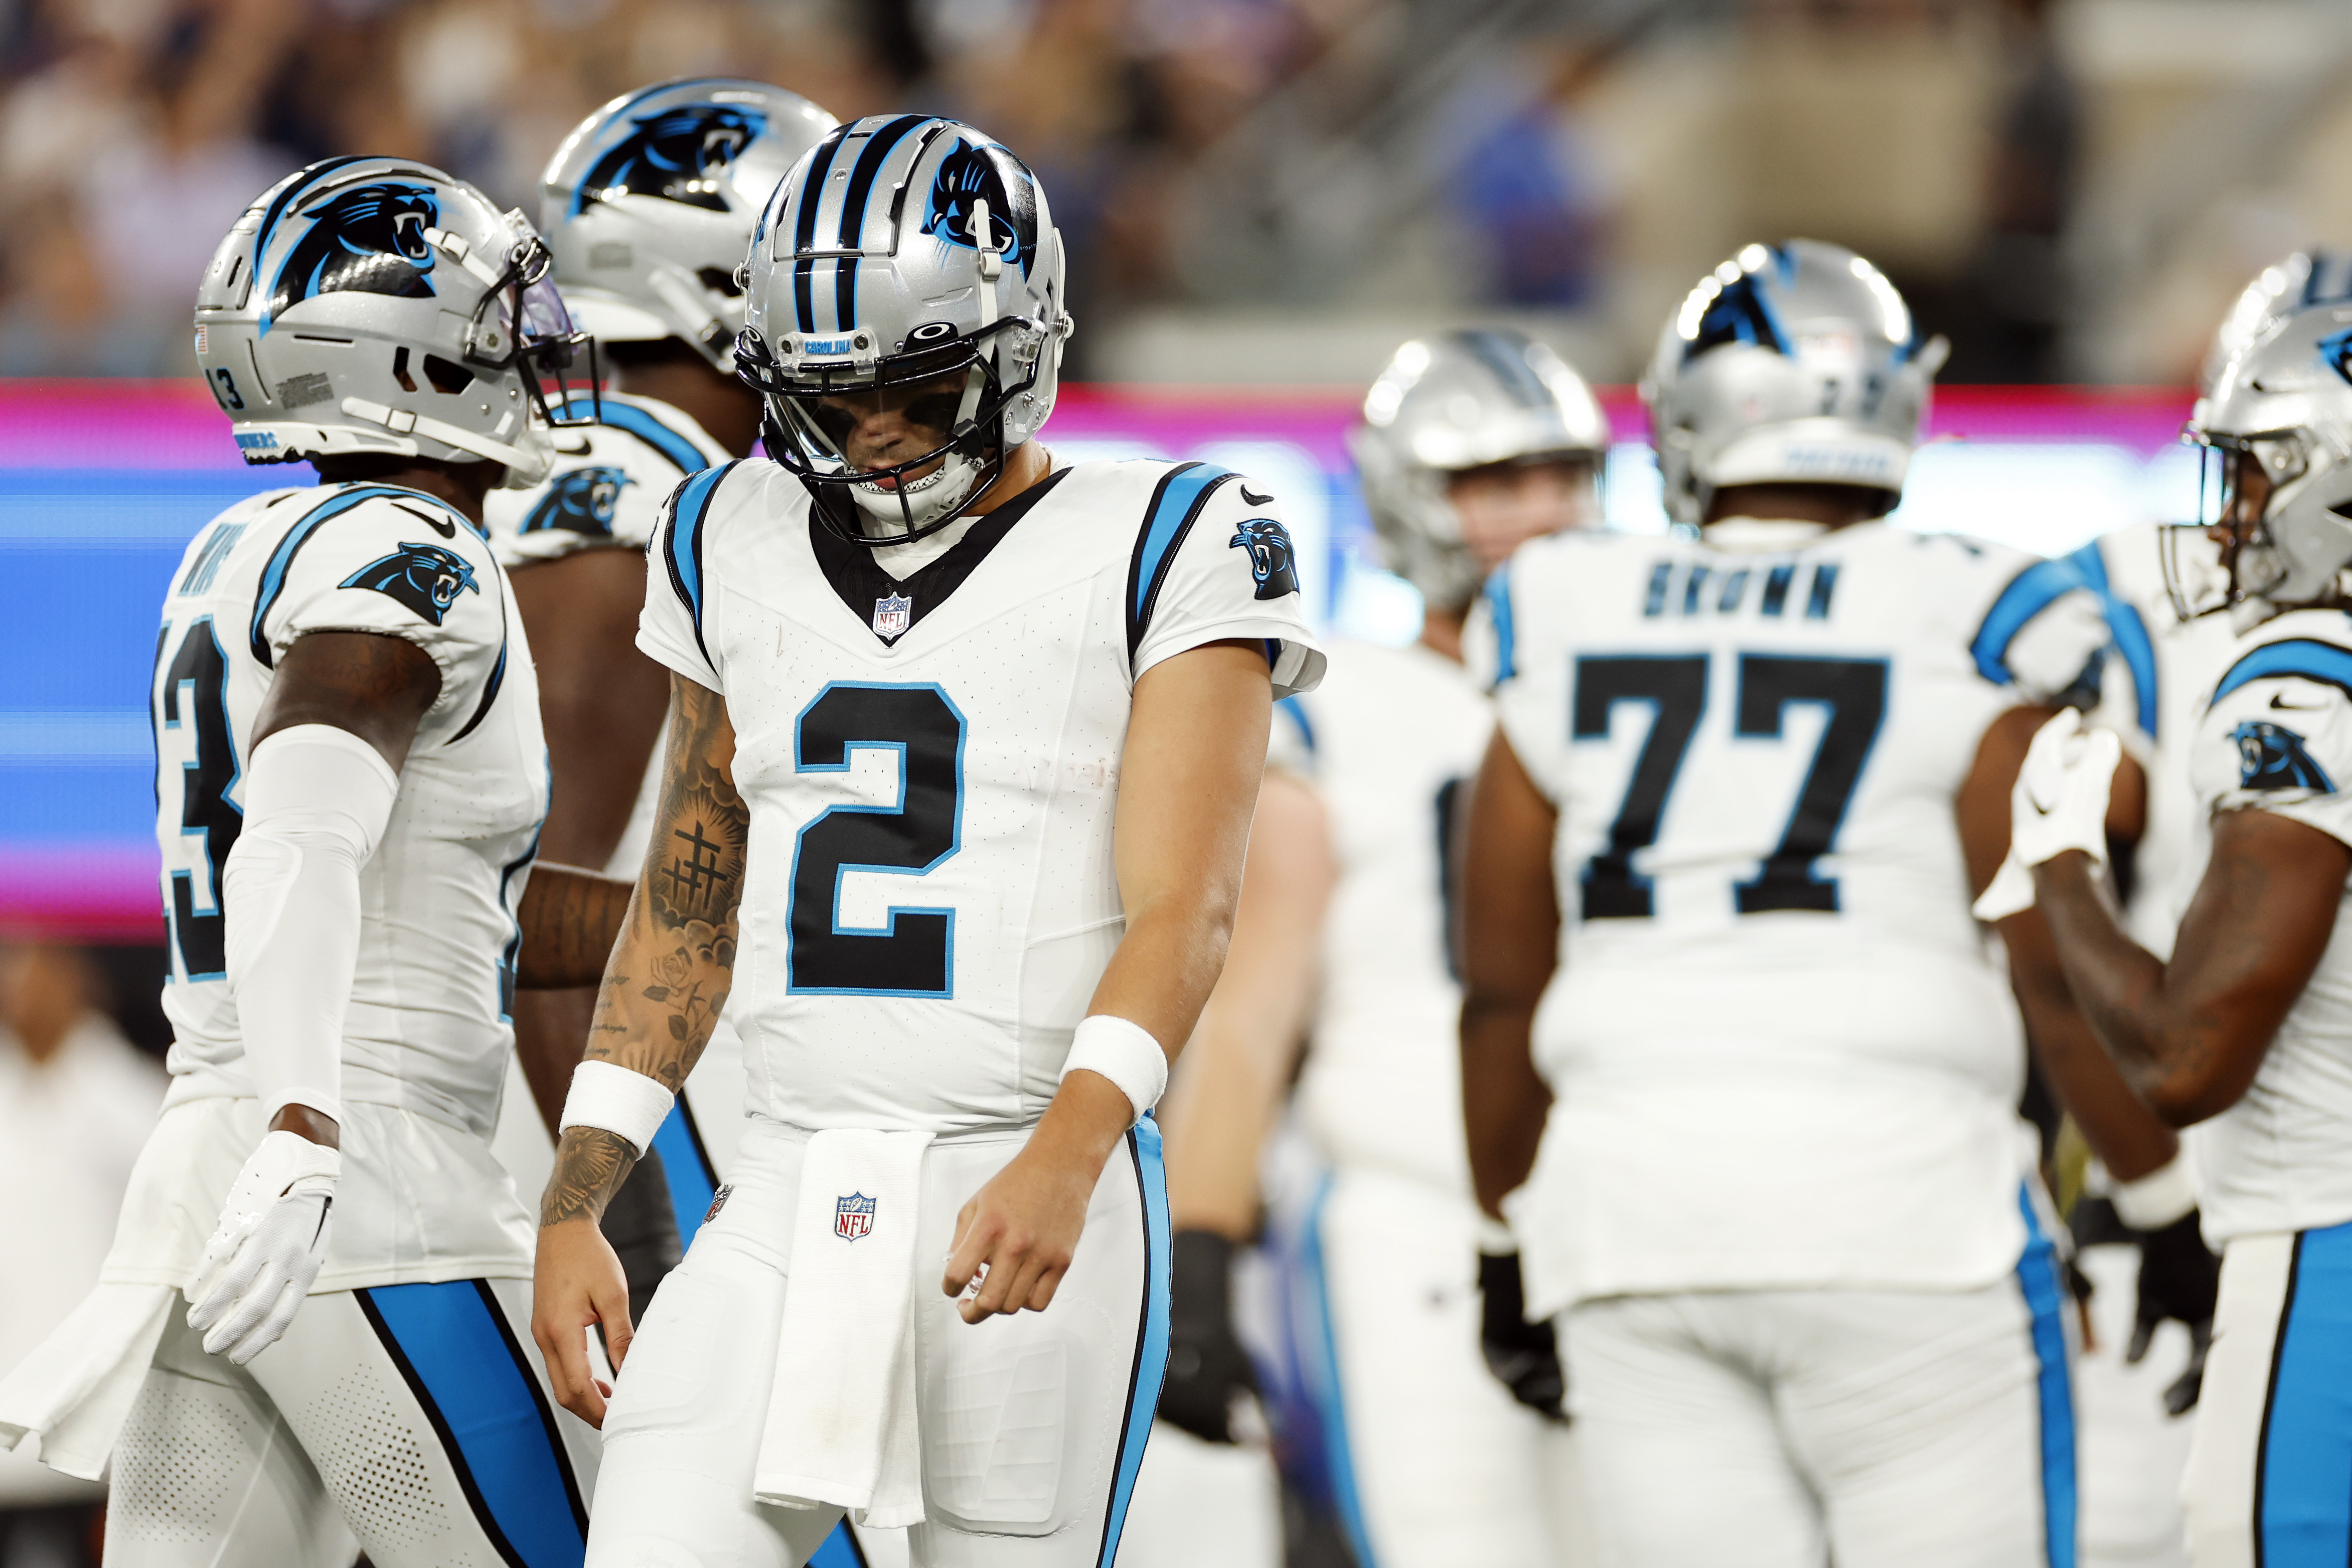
(2043,634)
(397,564)
(2278,737)
(1213,562)
(1526,709)
(670,630)
(1290,739)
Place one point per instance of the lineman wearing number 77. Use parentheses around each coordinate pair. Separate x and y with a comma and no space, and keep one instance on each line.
(952,812)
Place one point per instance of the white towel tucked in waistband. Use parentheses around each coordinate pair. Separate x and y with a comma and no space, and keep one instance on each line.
(74,1392)
(840,1416)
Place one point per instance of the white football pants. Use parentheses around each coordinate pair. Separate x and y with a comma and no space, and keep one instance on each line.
(413,1415)
(1385,1412)
(1071,1389)
(1792,1428)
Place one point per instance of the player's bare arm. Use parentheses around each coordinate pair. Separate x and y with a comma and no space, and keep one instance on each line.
(1508,945)
(2190,1034)
(1188,782)
(662,992)
(602,703)
(2127,1137)
(570,919)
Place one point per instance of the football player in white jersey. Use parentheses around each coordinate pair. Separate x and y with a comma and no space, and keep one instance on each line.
(1385,1417)
(962,763)
(2244,1027)
(648,207)
(310,1318)
(1727,1016)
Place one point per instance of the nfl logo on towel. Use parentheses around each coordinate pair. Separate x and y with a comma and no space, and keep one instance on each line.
(891,615)
(853,1216)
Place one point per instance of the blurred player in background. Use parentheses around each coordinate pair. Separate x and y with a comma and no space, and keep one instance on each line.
(969,742)
(2242,1027)
(648,207)
(1715,922)
(1473,442)
(349,785)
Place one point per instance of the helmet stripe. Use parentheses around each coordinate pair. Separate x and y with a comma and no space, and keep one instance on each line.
(1518,377)
(294,188)
(811,193)
(853,214)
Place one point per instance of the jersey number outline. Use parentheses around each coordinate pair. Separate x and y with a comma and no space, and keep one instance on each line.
(193,690)
(1674,685)
(913,954)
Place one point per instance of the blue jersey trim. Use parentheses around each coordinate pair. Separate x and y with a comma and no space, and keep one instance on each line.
(2029,594)
(452,1346)
(281,560)
(2128,630)
(2037,1278)
(687,1167)
(673,445)
(1150,1369)
(2303,1471)
(2305,658)
(682,546)
(1499,604)
(1182,491)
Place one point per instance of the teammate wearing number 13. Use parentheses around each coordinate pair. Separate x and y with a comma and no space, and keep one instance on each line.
(966,747)
(1716,920)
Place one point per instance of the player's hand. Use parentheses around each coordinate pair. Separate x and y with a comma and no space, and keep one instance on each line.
(1525,1356)
(577,1284)
(2058,802)
(1207,1368)
(1015,1239)
(268,1247)
(2178,1281)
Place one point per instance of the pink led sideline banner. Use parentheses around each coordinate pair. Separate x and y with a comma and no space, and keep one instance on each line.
(105,481)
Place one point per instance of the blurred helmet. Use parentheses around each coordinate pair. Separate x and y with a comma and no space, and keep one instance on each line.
(2281,405)
(1454,401)
(901,250)
(2305,278)
(1789,364)
(650,202)
(377,305)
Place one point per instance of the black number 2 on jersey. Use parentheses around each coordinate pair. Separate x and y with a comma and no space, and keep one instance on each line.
(913,954)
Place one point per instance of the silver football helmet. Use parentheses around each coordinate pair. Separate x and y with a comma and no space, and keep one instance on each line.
(650,202)
(2305,278)
(2279,420)
(377,305)
(1790,363)
(904,249)
(1454,401)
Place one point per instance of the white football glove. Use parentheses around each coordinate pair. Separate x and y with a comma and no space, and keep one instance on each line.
(272,1239)
(2058,802)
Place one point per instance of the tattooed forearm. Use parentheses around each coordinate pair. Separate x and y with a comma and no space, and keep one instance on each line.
(570,921)
(590,1165)
(668,977)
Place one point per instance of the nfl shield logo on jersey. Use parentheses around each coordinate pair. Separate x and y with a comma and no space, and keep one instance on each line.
(892,615)
(853,1216)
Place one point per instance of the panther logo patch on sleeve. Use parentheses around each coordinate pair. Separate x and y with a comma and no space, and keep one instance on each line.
(582,500)
(368,240)
(2272,756)
(1271,560)
(425,578)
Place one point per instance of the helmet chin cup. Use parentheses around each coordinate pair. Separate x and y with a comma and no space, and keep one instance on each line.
(920,504)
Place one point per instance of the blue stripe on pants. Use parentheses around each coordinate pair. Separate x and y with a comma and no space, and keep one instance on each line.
(452,1346)
(2045,1298)
(1151,1334)
(692,1182)
(2303,1477)
(1321,1373)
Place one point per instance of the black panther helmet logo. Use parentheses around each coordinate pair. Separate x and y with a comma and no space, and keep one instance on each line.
(674,154)
(368,240)
(1271,559)
(425,578)
(969,175)
(581,501)
(2271,756)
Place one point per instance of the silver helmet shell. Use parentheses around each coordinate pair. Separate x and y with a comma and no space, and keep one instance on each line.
(2285,399)
(650,202)
(378,305)
(904,249)
(1795,363)
(2302,279)
(1454,401)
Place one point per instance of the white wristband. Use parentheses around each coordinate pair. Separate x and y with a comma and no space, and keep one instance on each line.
(2158,1198)
(617,1100)
(1124,1053)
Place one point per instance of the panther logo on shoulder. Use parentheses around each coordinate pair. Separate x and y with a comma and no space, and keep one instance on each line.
(674,155)
(968,176)
(1272,561)
(580,501)
(425,578)
(367,240)
(2272,756)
